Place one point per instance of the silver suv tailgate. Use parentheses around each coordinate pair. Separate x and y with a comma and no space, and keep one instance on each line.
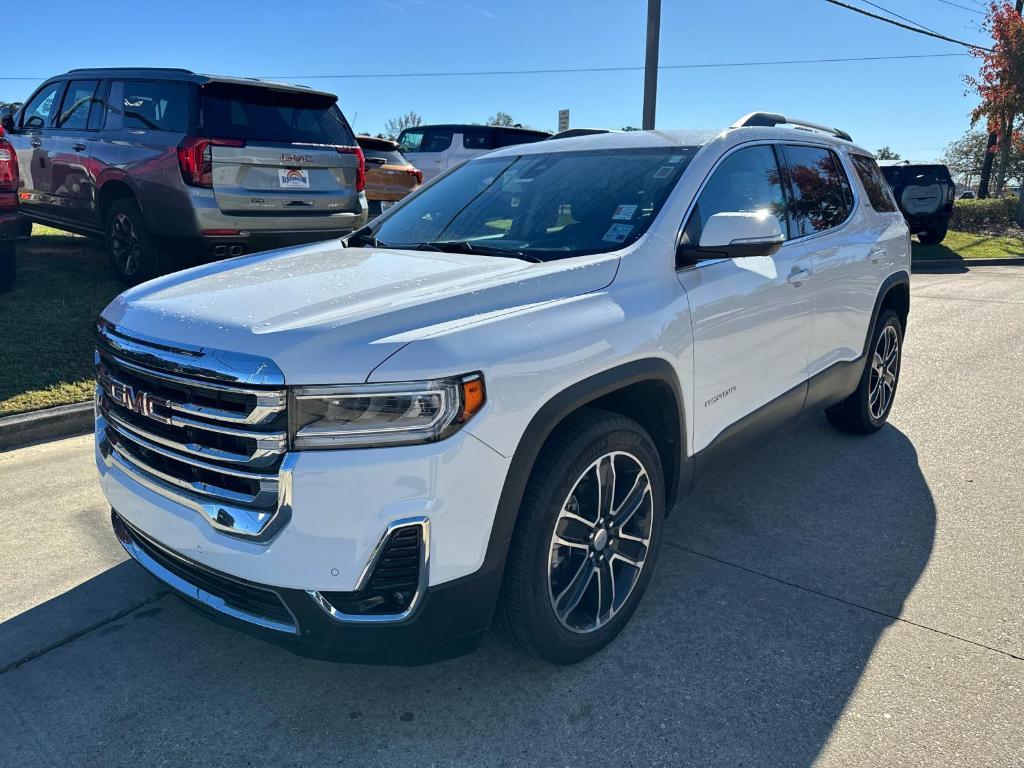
(282,179)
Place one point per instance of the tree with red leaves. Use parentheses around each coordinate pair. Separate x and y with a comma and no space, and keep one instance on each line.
(1000,81)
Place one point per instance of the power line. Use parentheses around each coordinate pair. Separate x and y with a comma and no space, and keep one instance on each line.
(900,24)
(572,70)
(904,18)
(964,7)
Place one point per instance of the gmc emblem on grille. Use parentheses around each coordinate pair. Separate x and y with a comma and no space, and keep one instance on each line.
(138,402)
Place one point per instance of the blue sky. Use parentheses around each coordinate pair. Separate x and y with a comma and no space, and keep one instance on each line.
(915,106)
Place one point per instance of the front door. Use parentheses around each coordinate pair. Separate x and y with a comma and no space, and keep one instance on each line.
(751,316)
(33,142)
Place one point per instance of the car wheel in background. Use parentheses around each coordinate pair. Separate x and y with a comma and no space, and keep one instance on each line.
(132,253)
(26,228)
(933,236)
(586,538)
(866,410)
(8,266)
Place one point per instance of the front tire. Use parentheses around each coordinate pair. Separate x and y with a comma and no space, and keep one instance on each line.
(133,256)
(866,410)
(586,539)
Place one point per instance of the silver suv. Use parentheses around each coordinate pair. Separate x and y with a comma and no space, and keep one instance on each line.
(165,162)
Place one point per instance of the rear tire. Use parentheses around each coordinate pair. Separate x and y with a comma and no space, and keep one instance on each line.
(577,568)
(8,266)
(133,256)
(866,410)
(933,236)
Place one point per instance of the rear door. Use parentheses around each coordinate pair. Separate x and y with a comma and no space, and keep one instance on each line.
(280,152)
(427,148)
(34,144)
(840,247)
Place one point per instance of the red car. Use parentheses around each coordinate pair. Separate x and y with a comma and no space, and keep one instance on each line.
(12,226)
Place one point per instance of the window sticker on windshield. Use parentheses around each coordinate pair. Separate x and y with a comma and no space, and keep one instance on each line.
(675,159)
(663,172)
(624,213)
(617,233)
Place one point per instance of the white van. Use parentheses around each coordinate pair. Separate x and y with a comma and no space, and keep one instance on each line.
(435,148)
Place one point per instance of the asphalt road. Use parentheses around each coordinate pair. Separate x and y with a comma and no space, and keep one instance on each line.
(831,600)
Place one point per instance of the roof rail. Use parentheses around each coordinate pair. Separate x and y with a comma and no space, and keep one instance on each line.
(771,119)
(130,69)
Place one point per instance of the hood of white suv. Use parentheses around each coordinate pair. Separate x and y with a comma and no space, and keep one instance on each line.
(328,314)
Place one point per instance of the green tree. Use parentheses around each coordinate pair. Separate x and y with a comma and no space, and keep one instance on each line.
(396,125)
(885,153)
(502,119)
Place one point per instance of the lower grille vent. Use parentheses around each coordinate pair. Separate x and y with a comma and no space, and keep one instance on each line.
(394,580)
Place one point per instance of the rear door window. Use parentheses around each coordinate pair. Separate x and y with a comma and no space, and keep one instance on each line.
(155,105)
(78,101)
(821,196)
(250,113)
(879,194)
(37,113)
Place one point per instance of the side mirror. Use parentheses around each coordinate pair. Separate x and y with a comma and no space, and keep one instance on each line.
(741,233)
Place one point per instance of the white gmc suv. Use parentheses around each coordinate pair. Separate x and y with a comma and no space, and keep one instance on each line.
(480,407)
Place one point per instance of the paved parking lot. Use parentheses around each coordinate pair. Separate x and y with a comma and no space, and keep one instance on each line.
(831,600)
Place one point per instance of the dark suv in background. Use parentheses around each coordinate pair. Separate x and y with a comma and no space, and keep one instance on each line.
(165,162)
(924,192)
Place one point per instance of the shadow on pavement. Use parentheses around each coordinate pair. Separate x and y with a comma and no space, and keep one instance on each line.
(775,585)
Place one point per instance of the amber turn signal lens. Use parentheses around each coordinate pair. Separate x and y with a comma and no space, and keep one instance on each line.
(473,398)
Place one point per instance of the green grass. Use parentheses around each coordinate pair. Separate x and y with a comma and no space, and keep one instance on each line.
(964,245)
(46,321)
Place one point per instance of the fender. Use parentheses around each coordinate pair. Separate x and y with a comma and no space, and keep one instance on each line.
(896,278)
(539,430)
(116,174)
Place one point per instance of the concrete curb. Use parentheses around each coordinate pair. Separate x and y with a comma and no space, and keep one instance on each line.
(48,424)
(947,263)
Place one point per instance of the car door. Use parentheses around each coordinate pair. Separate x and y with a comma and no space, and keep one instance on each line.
(34,143)
(841,249)
(72,182)
(751,316)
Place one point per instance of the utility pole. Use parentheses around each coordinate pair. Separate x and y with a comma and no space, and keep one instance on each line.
(651,63)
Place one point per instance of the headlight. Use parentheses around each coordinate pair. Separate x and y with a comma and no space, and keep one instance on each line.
(371,415)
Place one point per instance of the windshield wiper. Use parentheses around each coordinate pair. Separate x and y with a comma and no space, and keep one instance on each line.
(465,246)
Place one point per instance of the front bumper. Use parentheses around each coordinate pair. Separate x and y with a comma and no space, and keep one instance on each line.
(450,619)
(341,505)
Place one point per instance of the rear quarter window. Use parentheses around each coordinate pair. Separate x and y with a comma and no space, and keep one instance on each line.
(877,189)
(154,105)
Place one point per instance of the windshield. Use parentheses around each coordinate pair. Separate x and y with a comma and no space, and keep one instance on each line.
(545,206)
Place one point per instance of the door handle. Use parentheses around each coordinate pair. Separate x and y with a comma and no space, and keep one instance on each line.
(798,276)
(78,147)
(876,255)
(37,143)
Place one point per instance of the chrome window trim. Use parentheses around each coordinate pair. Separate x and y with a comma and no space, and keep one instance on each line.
(190,590)
(421,587)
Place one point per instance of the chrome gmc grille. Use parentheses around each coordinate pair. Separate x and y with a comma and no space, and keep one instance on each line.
(206,428)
